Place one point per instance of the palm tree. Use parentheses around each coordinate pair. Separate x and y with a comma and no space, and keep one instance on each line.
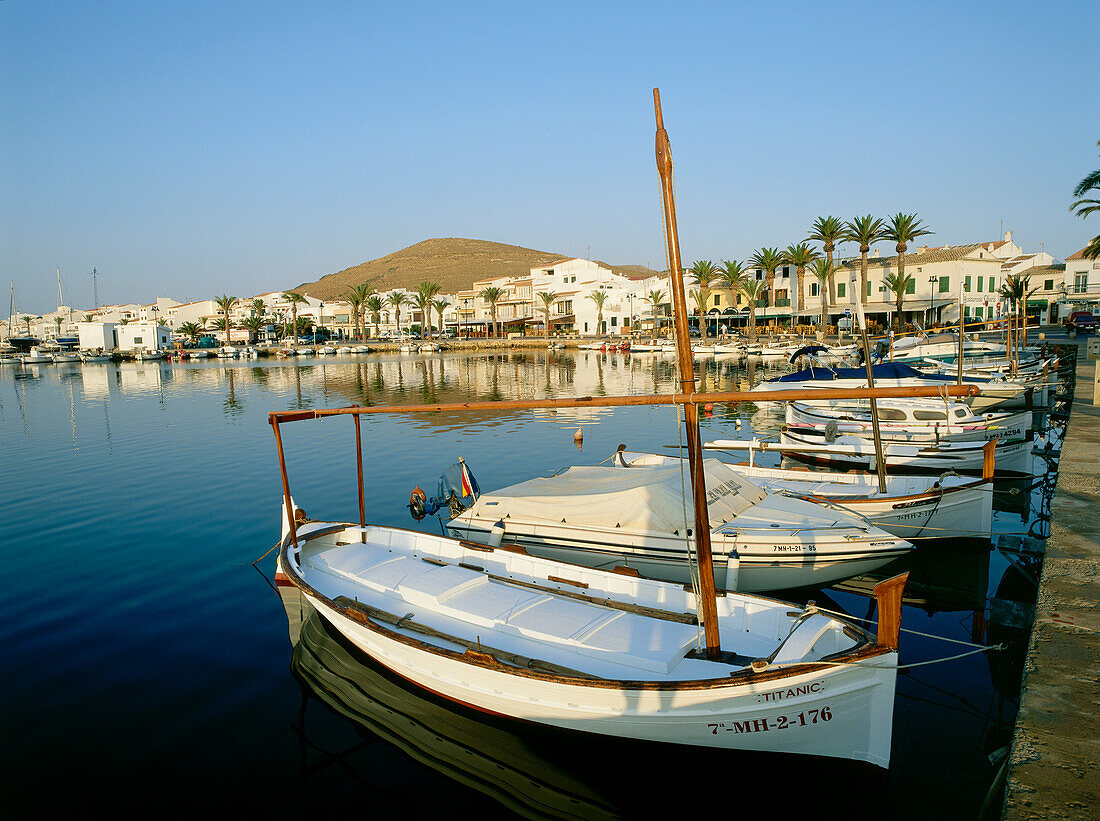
(822,270)
(701,296)
(57,326)
(898,283)
(440,306)
(355,297)
(752,289)
(259,308)
(901,229)
(425,293)
(704,271)
(768,259)
(226,304)
(295,299)
(192,330)
(828,231)
(491,296)
(1013,290)
(599,297)
(27,319)
(254,324)
(374,305)
(395,299)
(547,298)
(865,230)
(799,256)
(730,274)
(1083,207)
(655,299)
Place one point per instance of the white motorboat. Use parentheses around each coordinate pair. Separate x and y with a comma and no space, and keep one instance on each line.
(343,351)
(303,351)
(993,391)
(847,451)
(326,350)
(913,506)
(726,349)
(362,349)
(591,346)
(228,352)
(408,347)
(598,651)
(94,356)
(938,346)
(602,516)
(143,355)
(433,347)
(36,356)
(910,420)
(198,353)
(250,353)
(66,356)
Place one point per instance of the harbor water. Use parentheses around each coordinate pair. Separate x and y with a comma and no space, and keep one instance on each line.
(152,666)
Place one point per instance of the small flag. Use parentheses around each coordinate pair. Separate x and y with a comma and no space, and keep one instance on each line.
(467,483)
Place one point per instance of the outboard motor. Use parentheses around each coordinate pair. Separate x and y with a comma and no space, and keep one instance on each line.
(456,490)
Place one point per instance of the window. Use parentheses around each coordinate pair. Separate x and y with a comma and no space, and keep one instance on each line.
(929,416)
(717,299)
(813,289)
(1048,285)
(840,289)
(978,313)
(980,284)
(992,284)
(614,321)
(911,286)
(945,284)
(1080,283)
(137,340)
(966,284)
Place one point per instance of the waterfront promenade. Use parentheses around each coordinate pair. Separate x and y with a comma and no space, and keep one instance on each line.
(1054,770)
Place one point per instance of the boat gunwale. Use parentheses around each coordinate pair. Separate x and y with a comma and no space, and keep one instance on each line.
(869,649)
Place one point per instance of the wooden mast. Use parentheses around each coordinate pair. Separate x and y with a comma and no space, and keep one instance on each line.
(880,461)
(707,606)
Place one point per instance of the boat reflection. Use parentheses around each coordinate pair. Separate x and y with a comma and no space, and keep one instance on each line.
(526,770)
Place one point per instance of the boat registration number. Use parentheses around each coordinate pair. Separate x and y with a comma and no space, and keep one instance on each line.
(802,718)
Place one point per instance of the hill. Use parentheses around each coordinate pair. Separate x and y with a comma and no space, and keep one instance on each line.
(453,262)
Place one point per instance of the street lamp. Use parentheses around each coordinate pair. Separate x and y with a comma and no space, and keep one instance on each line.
(320,320)
(932,280)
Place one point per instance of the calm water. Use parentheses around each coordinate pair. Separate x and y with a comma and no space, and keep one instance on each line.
(148,664)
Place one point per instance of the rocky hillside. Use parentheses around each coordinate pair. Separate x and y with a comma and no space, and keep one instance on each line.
(454,263)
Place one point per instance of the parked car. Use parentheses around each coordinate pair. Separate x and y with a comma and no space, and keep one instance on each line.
(1081,322)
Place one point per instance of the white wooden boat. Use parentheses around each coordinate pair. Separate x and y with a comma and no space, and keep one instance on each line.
(597,651)
(432,347)
(911,420)
(591,346)
(362,349)
(93,356)
(326,350)
(913,506)
(35,356)
(198,353)
(66,356)
(303,351)
(603,516)
(847,451)
(942,345)
(343,351)
(250,353)
(143,355)
(408,347)
(725,349)
(227,352)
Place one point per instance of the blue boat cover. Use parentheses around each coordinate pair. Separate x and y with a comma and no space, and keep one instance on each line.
(885,370)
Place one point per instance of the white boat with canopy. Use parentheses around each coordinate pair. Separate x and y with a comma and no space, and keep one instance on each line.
(912,506)
(603,516)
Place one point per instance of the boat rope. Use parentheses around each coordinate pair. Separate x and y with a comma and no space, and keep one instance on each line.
(948,639)
(926,662)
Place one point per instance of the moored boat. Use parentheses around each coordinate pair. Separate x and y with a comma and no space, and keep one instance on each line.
(911,420)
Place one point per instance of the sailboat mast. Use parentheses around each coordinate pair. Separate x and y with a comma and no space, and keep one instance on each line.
(707,593)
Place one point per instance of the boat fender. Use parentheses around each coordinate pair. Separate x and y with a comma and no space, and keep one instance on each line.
(496,534)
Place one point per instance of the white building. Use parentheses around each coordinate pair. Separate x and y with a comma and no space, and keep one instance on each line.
(97,336)
(148,336)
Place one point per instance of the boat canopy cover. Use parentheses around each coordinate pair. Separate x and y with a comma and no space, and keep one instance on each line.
(640,499)
(808,350)
(886,370)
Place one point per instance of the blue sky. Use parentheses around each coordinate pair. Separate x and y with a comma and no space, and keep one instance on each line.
(193,149)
